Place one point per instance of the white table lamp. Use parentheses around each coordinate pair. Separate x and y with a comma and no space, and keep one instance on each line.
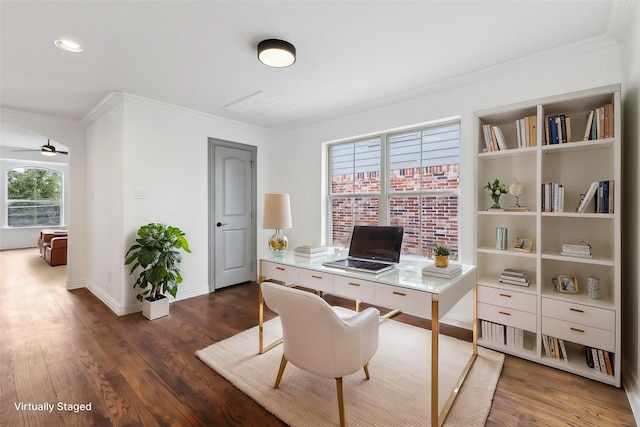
(277,215)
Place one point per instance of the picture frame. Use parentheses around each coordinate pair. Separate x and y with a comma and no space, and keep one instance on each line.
(567,284)
(524,244)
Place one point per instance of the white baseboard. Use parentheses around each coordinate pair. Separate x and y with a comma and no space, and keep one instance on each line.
(630,384)
(76,284)
(114,305)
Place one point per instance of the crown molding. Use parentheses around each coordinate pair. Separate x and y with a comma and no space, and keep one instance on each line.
(115,98)
(619,18)
(535,60)
(36,116)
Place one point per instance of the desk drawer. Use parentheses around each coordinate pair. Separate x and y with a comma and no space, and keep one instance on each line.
(600,318)
(407,300)
(585,335)
(507,298)
(315,280)
(507,316)
(353,288)
(279,272)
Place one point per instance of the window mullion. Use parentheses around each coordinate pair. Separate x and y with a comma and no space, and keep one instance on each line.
(383,201)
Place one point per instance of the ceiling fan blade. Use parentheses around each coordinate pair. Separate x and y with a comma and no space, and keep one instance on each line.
(23,150)
(63,152)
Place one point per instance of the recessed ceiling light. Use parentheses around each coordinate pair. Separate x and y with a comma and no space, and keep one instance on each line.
(69,46)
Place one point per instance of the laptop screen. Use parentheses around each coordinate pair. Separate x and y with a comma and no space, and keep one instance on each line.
(380,243)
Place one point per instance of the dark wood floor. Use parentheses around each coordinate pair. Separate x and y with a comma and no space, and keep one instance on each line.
(68,347)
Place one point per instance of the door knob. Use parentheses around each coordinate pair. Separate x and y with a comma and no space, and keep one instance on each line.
(219,224)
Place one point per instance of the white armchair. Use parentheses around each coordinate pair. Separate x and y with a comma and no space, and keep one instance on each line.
(330,342)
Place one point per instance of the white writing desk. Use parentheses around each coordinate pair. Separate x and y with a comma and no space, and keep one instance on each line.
(404,289)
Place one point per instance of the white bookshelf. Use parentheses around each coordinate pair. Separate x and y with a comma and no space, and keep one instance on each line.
(576,318)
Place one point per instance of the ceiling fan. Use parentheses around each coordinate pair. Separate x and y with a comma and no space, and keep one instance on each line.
(48,150)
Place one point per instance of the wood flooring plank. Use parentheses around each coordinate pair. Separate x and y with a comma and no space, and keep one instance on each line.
(62,345)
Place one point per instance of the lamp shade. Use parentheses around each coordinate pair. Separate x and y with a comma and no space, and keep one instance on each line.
(277,211)
(276,53)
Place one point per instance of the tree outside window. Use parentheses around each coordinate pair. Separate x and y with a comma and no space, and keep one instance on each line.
(34,197)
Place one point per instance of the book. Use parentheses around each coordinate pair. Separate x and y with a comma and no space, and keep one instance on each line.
(513,282)
(603,366)
(607,363)
(486,131)
(576,254)
(533,131)
(514,272)
(588,356)
(587,131)
(311,249)
(591,191)
(596,359)
(576,247)
(447,272)
(502,143)
(563,349)
(515,279)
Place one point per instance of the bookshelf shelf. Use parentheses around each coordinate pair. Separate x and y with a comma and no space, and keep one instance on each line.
(572,166)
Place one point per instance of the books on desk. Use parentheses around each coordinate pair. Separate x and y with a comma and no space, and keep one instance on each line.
(311,251)
(448,272)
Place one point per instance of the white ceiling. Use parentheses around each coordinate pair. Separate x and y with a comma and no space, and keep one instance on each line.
(201,55)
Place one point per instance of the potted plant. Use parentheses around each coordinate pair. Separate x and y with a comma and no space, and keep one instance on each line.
(156,251)
(441,255)
(496,189)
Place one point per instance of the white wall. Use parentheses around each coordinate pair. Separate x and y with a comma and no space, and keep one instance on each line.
(631,211)
(301,149)
(72,135)
(161,149)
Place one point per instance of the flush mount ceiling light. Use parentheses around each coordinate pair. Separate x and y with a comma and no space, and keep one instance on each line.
(276,53)
(69,46)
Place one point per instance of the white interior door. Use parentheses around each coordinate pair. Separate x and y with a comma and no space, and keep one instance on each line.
(232,220)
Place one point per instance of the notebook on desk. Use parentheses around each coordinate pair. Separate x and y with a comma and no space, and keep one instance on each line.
(373,249)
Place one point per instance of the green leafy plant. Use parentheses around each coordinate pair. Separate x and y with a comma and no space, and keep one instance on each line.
(441,250)
(496,189)
(156,251)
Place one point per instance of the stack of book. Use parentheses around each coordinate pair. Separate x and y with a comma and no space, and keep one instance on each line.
(554,348)
(448,272)
(511,276)
(602,192)
(600,123)
(309,251)
(600,360)
(578,250)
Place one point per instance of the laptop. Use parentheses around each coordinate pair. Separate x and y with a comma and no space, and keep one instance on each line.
(373,249)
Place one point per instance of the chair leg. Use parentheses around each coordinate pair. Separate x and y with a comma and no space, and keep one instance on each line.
(283,364)
(340,401)
(366,371)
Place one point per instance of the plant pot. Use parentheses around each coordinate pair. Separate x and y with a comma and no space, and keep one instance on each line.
(154,309)
(441,261)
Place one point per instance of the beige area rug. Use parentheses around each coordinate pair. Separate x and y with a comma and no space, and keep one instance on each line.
(398,393)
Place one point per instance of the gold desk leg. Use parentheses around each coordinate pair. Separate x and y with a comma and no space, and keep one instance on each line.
(456,389)
(389,315)
(435,331)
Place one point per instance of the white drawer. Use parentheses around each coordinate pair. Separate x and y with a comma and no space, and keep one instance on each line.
(507,298)
(507,316)
(600,318)
(585,335)
(356,289)
(315,280)
(407,300)
(279,272)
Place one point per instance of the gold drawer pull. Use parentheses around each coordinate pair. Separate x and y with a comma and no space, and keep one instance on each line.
(316,277)
(280,268)
(505,295)
(399,293)
(577,330)
(577,310)
(505,313)
(354,284)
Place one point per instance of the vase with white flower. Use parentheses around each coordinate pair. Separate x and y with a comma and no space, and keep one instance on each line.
(496,189)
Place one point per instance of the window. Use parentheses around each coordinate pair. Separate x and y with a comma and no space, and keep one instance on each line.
(34,197)
(409,178)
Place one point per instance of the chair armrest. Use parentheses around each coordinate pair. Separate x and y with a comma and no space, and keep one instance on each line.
(58,242)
